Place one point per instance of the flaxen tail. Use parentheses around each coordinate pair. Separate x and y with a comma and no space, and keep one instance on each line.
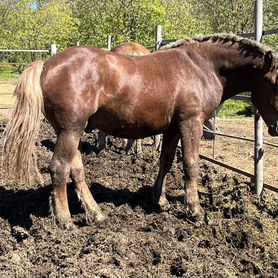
(19,157)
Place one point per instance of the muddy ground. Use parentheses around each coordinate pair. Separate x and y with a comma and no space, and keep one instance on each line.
(238,238)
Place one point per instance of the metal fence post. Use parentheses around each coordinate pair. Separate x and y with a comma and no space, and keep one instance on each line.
(259,150)
(109,42)
(53,49)
(158,37)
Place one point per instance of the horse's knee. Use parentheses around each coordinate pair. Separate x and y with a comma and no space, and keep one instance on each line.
(59,172)
(77,173)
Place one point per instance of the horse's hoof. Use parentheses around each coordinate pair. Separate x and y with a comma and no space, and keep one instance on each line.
(198,216)
(93,218)
(195,215)
(100,217)
(65,225)
(162,204)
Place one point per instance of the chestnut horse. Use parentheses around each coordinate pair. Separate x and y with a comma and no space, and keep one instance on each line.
(172,91)
(135,49)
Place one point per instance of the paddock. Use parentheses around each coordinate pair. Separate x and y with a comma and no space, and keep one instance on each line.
(237,238)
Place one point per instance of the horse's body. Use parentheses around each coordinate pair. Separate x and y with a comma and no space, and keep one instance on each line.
(173,92)
(134,49)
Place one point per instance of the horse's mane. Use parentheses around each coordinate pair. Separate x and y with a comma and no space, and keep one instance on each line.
(224,38)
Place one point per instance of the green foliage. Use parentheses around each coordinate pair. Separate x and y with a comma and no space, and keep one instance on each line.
(182,21)
(8,76)
(24,24)
(271,22)
(235,16)
(8,73)
(133,20)
(233,108)
(25,27)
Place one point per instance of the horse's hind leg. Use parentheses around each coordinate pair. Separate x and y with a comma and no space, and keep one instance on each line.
(64,152)
(101,141)
(157,142)
(92,209)
(169,145)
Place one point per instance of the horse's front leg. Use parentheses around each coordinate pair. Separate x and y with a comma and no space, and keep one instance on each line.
(191,132)
(130,144)
(169,145)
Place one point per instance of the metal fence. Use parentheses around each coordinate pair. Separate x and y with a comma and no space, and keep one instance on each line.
(258,175)
(16,59)
(25,56)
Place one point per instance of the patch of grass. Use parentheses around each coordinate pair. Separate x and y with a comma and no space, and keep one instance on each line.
(235,108)
(8,73)
(8,76)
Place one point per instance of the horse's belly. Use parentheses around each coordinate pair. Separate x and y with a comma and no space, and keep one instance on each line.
(131,133)
(128,126)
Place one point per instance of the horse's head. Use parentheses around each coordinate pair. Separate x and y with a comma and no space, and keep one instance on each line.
(265,93)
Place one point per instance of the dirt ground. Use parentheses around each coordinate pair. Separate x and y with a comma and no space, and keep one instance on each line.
(238,238)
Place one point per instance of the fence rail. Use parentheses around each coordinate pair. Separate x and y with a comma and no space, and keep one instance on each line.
(237,170)
(242,138)
(32,52)
(26,50)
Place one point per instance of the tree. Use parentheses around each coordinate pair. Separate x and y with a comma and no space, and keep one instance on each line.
(236,16)
(131,20)
(24,25)
(182,19)
(270,22)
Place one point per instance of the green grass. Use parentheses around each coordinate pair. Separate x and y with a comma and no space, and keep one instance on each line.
(8,76)
(235,108)
(8,73)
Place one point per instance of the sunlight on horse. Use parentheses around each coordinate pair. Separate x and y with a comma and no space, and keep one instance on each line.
(172,91)
(135,49)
